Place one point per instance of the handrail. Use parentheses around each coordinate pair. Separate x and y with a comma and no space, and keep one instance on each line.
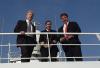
(84,33)
(52,44)
(50,33)
(55,57)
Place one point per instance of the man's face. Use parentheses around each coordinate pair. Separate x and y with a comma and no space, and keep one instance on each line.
(29,16)
(64,19)
(48,25)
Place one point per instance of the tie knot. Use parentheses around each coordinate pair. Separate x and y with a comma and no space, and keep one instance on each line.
(30,22)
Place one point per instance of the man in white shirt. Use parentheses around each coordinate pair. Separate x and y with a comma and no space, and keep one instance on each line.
(70,27)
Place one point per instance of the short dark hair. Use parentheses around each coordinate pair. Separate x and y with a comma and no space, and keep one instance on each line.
(63,14)
(47,22)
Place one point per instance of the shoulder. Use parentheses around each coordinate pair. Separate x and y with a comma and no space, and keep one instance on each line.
(43,31)
(60,28)
(53,31)
(73,22)
(21,21)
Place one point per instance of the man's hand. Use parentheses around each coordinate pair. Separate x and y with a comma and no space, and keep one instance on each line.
(69,37)
(66,38)
(43,44)
(22,32)
(54,41)
(62,39)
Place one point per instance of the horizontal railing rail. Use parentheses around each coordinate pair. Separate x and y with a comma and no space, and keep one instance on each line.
(50,33)
(58,33)
(54,57)
(52,44)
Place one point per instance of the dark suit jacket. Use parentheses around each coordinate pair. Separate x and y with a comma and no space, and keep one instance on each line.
(72,27)
(22,26)
(43,38)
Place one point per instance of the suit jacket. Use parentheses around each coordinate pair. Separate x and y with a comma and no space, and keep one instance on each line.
(22,26)
(43,38)
(72,27)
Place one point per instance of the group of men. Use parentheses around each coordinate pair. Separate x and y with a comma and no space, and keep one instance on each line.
(27,42)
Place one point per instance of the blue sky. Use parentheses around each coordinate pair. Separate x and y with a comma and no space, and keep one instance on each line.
(85,12)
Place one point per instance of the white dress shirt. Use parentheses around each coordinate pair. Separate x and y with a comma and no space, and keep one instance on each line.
(65,28)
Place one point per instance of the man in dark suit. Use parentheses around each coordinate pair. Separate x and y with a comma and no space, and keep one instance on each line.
(24,26)
(50,39)
(70,50)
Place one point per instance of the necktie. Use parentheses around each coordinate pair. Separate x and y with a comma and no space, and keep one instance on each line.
(29,27)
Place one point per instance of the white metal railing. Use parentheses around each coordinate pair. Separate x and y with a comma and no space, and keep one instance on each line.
(55,57)
(97,34)
(51,33)
(52,44)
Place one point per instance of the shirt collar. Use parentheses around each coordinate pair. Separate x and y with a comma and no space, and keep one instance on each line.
(27,21)
(67,23)
(47,30)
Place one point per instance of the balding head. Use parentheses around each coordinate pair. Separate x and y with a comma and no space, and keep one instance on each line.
(29,15)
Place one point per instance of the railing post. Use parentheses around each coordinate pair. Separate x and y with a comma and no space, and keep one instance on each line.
(60,50)
(0,59)
(49,48)
(9,53)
